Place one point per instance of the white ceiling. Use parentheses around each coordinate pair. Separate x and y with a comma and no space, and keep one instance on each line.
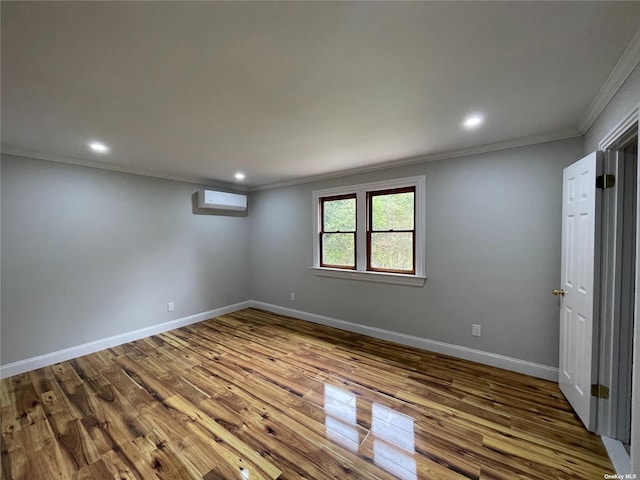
(286,90)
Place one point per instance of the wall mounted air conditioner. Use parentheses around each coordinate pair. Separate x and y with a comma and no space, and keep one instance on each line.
(222,200)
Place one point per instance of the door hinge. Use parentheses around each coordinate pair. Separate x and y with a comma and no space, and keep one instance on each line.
(599,391)
(605,181)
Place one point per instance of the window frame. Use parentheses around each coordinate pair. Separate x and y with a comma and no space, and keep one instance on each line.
(370,230)
(322,231)
(418,277)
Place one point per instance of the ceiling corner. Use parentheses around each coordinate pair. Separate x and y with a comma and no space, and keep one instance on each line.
(619,73)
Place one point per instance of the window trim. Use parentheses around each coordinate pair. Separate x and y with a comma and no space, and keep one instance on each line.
(360,273)
(370,230)
(322,231)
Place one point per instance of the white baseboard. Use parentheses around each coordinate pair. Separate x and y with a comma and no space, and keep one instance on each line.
(618,455)
(86,348)
(487,358)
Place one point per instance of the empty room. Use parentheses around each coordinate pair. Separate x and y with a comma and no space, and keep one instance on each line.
(319,240)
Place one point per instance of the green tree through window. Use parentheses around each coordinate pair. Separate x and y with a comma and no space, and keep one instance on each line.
(338,233)
(376,228)
(391,231)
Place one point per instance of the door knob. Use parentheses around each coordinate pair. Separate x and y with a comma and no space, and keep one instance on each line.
(560,292)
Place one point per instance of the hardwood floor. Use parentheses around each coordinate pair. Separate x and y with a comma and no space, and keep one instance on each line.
(254,395)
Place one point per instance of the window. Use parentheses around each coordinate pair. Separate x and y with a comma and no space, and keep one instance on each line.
(390,233)
(338,231)
(372,232)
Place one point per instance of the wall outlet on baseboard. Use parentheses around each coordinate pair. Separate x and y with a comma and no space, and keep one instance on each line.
(476,330)
(293,296)
(171,307)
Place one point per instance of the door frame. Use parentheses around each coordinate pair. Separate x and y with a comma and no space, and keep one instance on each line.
(607,410)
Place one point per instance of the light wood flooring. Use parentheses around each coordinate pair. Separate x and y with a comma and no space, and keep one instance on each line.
(254,395)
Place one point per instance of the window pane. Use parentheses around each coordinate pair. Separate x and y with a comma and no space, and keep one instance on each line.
(339,249)
(392,212)
(339,215)
(392,251)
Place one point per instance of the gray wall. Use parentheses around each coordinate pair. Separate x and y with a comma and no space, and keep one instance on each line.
(90,253)
(492,252)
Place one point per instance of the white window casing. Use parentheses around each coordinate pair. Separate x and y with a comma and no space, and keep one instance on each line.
(361,273)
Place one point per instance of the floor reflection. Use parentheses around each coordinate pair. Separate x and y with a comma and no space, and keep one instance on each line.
(340,417)
(392,433)
(394,460)
(394,441)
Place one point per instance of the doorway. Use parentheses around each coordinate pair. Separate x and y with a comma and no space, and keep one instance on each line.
(618,280)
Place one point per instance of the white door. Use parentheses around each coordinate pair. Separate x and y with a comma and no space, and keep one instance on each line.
(578,312)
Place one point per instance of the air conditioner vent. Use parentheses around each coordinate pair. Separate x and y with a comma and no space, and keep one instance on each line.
(222,200)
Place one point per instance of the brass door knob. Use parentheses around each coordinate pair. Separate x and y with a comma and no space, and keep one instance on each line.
(560,292)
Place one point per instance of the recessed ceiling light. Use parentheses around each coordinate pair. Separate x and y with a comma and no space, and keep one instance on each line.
(239,176)
(98,147)
(473,121)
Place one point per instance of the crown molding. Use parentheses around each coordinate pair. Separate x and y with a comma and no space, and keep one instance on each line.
(491,147)
(464,152)
(622,128)
(618,75)
(115,167)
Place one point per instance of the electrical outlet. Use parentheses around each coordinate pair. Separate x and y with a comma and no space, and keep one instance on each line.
(171,307)
(293,296)
(476,330)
